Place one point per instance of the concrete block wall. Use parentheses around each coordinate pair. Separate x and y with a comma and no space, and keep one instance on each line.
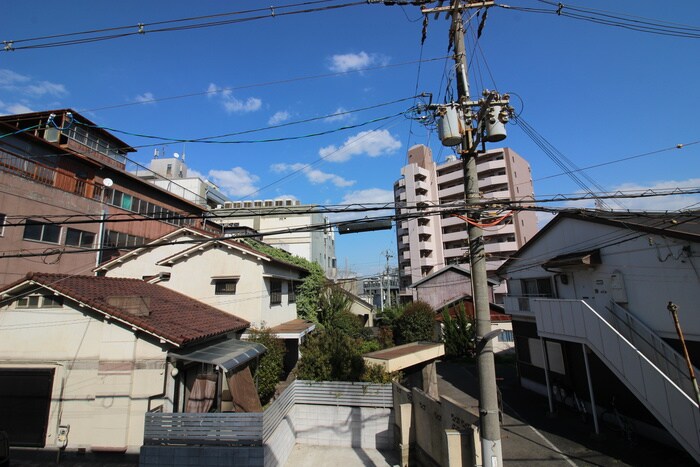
(366,427)
(279,445)
(174,456)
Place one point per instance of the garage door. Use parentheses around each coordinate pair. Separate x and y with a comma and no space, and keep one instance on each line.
(25,399)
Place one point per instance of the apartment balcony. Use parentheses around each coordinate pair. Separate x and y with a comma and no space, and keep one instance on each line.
(405,239)
(449,177)
(501,247)
(493,180)
(402,196)
(450,221)
(424,230)
(401,231)
(451,191)
(499,230)
(421,185)
(406,255)
(455,252)
(503,194)
(454,236)
(493,264)
(490,165)
(431,261)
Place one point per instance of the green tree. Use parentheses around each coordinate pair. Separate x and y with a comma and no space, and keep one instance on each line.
(330,355)
(268,369)
(417,323)
(309,293)
(332,302)
(458,333)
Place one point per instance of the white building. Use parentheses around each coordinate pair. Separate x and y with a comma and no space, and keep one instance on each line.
(287,224)
(170,173)
(427,244)
(589,297)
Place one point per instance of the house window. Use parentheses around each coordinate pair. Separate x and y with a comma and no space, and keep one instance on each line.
(275,292)
(2,224)
(505,336)
(293,288)
(80,238)
(225,286)
(40,301)
(41,231)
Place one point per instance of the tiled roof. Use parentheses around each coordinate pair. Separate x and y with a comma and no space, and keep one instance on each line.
(162,312)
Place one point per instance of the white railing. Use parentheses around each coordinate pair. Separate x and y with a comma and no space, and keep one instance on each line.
(665,357)
(576,321)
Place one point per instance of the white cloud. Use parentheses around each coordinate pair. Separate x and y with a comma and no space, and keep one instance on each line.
(314,176)
(11,78)
(341,63)
(18,109)
(652,203)
(339,115)
(145,98)
(367,196)
(26,86)
(236,182)
(279,117)
(232,104)
(543,218)
(373,143)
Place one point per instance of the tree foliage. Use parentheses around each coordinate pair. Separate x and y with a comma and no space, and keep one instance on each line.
(311,286)
(332,302)
(331,355)
(416,323)
(268,370)
(458,334)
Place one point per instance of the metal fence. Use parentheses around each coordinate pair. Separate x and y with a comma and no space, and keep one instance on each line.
(253,429)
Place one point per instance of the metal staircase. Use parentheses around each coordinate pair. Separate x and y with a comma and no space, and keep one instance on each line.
(641,360)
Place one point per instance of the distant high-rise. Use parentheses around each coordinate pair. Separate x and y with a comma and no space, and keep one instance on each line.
(429,243)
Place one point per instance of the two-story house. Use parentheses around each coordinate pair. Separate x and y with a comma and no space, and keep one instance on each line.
(590,296)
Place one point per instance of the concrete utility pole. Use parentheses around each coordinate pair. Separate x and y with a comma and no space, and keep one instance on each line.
(388,255)
(673,309)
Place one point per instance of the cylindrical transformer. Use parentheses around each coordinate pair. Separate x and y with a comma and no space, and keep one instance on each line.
(450,127)
(495,129)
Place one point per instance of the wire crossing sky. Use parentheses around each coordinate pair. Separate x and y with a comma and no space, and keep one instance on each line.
(607,92)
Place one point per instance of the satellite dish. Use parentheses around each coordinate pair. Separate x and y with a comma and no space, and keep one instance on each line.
(107,182)
(176,155)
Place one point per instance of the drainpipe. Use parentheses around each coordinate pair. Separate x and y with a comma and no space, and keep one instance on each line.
(590,390)
(546,375)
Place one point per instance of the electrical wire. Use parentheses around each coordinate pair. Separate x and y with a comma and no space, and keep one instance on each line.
(646,25)
(98,35)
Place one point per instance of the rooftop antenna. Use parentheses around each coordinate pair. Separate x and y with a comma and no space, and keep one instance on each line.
(155,153)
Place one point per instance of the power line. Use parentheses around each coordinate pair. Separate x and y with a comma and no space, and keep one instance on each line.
(98,35)
(634,23)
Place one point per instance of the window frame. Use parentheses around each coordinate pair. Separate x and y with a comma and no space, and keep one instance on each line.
(42,235)
(220,286)
(81,234)
(275,291)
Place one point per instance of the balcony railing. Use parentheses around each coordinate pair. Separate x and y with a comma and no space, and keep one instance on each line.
(49,176)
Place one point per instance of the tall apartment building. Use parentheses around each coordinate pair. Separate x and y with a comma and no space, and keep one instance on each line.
(429,243)
(286,224)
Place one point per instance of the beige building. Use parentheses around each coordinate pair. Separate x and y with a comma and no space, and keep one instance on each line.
(429,243)
(84,358)
(284,223)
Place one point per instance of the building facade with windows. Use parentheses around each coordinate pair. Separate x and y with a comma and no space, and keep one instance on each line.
(68,202)
(429,243)
(287,224)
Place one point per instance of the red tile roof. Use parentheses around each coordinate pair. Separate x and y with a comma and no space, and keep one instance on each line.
(169,315)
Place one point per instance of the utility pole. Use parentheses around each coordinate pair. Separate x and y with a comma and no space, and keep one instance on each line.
(488,392)
(673,309)
(388,255)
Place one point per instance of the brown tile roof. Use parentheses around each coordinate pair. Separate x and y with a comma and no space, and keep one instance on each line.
(294,326)
(162,312)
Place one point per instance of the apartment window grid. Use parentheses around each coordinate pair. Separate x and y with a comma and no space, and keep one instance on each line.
(80,238)
(134,204)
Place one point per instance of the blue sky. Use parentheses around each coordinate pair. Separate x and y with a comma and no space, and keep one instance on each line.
(597,93)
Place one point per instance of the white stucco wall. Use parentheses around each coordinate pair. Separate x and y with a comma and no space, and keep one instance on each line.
(103,376)
(655,270)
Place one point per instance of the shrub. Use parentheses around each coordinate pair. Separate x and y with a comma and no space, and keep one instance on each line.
(459,334)
(330,355)
(417,323)
(268,369)
(333,301)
